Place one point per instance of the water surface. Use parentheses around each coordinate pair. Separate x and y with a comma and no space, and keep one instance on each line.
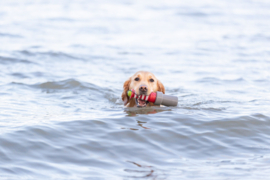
(63,65)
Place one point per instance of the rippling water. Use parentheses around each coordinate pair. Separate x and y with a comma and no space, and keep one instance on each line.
(63,65)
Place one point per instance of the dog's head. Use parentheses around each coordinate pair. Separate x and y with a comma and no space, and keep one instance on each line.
(143,83)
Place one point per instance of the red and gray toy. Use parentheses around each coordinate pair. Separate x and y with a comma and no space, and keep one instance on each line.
(158,98)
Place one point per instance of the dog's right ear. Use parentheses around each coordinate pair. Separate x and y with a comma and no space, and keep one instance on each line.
(161,87)
(125,97)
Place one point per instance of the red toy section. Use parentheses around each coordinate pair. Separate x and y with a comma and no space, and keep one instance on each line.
(150,98)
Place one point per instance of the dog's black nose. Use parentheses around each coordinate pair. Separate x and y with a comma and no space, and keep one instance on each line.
(143,89)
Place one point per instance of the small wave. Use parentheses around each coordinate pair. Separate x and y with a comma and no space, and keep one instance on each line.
(52,54)
(63,19)
(197,13)
(10,35)
(130,53)
(59,55)
(219,81)
(8,60)
(85,93)
(19,75)
(205,109)
(66,84)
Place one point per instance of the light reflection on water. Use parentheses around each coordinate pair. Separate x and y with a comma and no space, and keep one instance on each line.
(63,65)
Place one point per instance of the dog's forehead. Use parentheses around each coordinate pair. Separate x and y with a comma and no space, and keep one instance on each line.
(144,74)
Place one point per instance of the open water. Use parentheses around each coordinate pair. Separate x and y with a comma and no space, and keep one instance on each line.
(63,64)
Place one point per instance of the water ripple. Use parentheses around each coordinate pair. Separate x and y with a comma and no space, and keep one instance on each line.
(9,60)
(63,65)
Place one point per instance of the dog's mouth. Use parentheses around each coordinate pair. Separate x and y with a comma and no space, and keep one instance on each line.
(141,103)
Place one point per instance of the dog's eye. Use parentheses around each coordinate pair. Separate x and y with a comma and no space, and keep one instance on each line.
(137,79)
(151,80)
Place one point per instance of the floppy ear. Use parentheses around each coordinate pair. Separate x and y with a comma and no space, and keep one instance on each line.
(125,97)
(161,87)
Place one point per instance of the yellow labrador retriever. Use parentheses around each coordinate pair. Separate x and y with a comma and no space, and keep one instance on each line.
(143,83)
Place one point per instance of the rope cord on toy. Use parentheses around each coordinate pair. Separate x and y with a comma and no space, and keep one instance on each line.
(141,97)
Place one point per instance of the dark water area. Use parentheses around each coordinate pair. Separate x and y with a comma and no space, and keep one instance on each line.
(62,68)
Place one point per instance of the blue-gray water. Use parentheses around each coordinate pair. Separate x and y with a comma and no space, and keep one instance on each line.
(63,64)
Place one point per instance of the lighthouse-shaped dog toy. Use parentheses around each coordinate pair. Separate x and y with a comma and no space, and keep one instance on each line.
(158,98)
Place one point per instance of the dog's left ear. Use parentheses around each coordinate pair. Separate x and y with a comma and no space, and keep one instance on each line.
(161,87)
(125,97)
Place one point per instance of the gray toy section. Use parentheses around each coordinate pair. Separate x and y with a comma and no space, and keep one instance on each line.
(166,100)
